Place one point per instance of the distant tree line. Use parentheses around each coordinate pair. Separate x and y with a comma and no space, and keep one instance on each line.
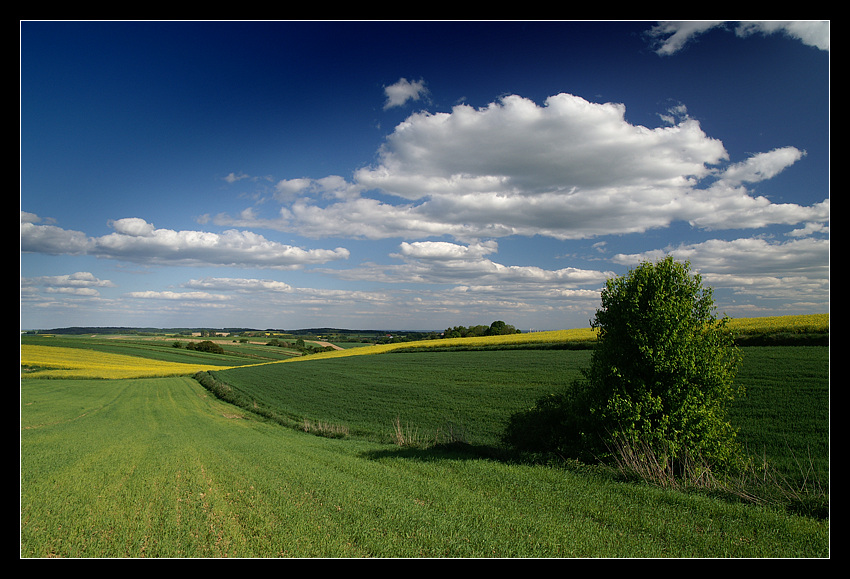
(497,328)
(299,345)
(205,346)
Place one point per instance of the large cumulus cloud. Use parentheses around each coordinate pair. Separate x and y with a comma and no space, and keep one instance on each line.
(567,169)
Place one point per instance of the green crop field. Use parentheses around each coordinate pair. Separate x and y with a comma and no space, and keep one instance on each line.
(160,467)
(785,411)
(438,396)
(432,393)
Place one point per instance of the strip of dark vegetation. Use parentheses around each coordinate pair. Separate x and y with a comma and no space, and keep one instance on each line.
(225,392)
(576,345)
(783,339)
(776,339)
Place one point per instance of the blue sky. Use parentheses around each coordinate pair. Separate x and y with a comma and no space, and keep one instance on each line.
(415,175)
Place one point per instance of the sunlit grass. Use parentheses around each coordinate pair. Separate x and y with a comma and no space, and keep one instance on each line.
(158,468)
(161,468)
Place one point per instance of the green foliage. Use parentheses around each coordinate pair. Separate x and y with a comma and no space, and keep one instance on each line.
(664,369)
(497,328)
(554,423)
(205,346)
(500,328)
(661,376)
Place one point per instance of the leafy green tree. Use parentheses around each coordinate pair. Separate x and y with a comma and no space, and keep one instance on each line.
(497,328)
(500,328)
(662,374)
(477,330)
(660,378)
(205,346)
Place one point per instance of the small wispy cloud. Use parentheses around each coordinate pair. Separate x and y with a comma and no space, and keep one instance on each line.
(671,37)
(403,91)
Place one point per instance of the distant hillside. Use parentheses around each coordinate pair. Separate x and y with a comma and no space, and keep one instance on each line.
(128,330)
(134,330)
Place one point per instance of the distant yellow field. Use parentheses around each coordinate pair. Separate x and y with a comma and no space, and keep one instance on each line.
(808,323)
(552,336)
(57,362)
(793,324)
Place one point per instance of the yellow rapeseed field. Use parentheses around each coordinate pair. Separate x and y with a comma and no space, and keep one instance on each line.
(806,323)
(58,362)
(552,336)
(791,324)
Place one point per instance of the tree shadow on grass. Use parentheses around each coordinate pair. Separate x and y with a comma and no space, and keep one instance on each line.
(460,451)
(444,451)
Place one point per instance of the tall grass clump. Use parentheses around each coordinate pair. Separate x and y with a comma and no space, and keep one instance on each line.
(753,480)
(327,429)
(410,436)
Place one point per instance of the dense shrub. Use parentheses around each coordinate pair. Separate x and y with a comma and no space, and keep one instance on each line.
(205,346)
(660,378)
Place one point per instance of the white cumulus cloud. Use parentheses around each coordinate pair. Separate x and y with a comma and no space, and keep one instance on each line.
(567,169)
(138,241)
(672,36)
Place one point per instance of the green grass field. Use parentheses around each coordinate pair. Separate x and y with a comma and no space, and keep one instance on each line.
(437,397)
(785,412)
(432,393)
(159,467)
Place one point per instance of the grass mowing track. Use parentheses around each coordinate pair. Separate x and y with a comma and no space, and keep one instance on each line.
(158,468)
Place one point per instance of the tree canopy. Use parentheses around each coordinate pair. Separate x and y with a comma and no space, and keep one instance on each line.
(497,328)
(661,376)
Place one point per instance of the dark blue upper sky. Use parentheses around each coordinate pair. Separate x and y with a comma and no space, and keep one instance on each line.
(257,173)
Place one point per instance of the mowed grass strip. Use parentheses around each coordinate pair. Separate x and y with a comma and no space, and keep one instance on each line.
(158,468)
